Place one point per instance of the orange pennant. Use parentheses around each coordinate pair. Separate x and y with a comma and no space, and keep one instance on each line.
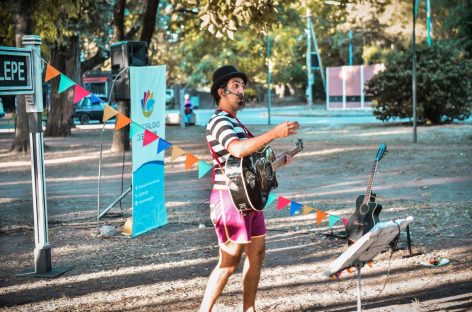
(108,112)
(320,215)
(121,121)
(176,152)
(370,263)
(51,72)
(190,161)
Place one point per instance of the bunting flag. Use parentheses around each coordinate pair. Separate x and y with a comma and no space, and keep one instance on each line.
(162,145)
(370,263)
(95,99)
(307,210)
(108,112)
(121,121)
(149,137)
(332,220)
(65,83)
(51,72)
(295,207)
(320,215)
(203,168)
(282,203)
(344,221)
(79,93)
(134,129)
(271,198)
(176,152)
(190,161)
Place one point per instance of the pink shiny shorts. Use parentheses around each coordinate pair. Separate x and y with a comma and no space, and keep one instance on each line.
(230,224)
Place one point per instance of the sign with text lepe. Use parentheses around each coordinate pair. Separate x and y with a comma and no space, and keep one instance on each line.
(16,71)
(147,93)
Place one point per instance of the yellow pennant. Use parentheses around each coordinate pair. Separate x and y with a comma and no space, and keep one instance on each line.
(307,210)
(176,152)
(108,113)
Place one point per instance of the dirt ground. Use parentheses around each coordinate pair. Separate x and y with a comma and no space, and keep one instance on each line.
(167,269)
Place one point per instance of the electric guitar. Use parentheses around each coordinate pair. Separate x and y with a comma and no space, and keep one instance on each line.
(252,177)
(367,210)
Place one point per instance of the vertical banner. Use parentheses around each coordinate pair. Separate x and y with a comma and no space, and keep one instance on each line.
(147,93)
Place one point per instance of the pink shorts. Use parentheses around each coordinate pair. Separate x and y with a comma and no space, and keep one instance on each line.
(230,224)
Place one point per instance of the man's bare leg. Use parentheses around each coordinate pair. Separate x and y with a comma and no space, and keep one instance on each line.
(252,271)
(230,255)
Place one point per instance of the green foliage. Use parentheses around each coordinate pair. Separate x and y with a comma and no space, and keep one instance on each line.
(444,80)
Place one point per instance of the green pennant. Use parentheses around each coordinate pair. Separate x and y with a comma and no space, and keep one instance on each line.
(65,83)
(271,198)
(203,168)
(332,220)
(134,129)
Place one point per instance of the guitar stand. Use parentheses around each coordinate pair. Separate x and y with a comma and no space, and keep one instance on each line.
(408,241)
(340,234)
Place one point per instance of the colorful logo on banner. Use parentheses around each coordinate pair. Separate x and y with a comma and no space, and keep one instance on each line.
(147,103)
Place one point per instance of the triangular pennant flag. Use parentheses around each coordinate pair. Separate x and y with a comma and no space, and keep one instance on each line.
(203,168)
(344,221)
(294,207)
(271,198)
(134,129)
(320,215)
(121,121)
(65,83)
(282,203)
(95,99)
(51,72)
(149,137)
(176,152)
(79,93)
(370,263)
(190,161)
(162,145)
(332,220)
(108,112)
(307,210)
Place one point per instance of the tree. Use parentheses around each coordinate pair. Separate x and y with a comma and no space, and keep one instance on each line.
(443,85)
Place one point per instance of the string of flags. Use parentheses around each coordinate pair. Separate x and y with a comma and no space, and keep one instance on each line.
(148,137)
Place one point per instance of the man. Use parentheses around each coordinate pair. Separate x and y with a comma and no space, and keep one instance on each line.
(237,232)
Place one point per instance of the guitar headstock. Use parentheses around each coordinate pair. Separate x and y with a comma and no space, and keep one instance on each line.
(381,152)
(299,144)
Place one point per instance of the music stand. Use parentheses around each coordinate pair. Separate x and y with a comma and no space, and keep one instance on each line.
(366,248)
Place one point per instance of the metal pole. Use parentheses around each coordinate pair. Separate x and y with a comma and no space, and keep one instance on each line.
(413,71)
(315,40)
(269,97)
(308,60)
(359,304)
(350,48)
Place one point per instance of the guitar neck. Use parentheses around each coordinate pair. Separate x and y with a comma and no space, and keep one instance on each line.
(279,162)
(370,183)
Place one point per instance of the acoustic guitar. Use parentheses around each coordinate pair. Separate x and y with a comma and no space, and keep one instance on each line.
(253,177)
(367,210)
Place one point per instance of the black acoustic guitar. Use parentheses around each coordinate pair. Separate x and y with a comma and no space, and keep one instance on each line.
(253,177)
(367,210)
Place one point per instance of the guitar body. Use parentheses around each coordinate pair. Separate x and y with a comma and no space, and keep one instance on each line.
(253,178)
(364,218)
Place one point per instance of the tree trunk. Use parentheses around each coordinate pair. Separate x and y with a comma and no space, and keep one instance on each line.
(121,140)
(23,25)
(149,21)
(66,60)
(119,20)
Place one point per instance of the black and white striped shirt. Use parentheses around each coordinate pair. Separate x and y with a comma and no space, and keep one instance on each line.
(222,129)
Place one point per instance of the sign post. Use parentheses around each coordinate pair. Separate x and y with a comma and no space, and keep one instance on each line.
(21,73)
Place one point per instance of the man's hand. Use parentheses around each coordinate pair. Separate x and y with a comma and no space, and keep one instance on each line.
(285,129)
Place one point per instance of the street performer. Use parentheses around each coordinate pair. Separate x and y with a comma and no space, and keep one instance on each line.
(236,232)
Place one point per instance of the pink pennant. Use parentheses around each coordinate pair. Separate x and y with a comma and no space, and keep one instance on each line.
(79,93)
(344,221)
(282,203)
(149,137)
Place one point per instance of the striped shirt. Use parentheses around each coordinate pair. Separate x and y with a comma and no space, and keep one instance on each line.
(222,129)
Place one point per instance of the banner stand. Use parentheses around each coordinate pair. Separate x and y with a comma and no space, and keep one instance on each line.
(116,201)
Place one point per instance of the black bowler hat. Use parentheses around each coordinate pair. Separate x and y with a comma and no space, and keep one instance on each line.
(224,73)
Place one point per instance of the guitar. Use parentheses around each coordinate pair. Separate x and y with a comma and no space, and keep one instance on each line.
(253,177)
(367,210)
